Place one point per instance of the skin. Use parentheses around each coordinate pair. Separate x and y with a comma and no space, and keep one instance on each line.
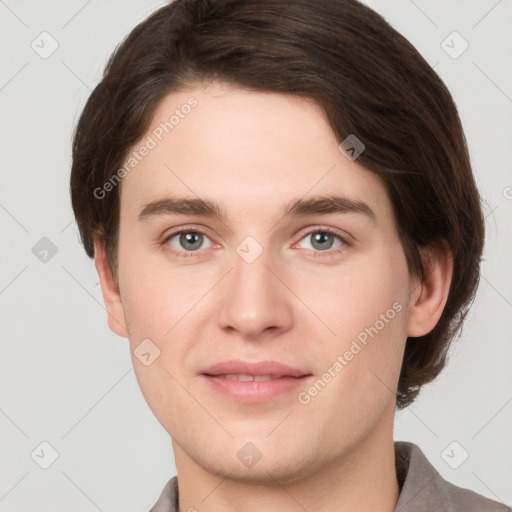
(253,152)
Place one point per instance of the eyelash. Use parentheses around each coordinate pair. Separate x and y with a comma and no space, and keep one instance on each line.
(316,254)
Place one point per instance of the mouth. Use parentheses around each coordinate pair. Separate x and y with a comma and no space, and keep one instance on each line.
(256,386)
(254,382)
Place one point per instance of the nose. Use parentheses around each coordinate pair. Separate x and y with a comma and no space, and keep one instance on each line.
(255,300)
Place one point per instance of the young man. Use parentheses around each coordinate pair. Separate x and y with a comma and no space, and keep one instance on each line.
(280,204)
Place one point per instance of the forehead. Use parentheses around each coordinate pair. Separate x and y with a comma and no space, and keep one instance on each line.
(255,149)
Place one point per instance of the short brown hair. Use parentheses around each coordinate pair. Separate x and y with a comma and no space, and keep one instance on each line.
(367,79)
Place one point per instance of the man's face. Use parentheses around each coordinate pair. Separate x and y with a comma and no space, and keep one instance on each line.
(261,286)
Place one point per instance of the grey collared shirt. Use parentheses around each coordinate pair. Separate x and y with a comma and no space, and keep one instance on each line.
(422,488)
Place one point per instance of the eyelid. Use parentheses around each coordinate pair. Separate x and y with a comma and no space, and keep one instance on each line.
(193,228)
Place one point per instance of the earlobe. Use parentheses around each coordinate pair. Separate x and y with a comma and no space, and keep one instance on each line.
(110,291)
(428,297)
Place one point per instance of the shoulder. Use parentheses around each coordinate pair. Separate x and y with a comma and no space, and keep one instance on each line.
(168,500)
(424,489)
(464,500)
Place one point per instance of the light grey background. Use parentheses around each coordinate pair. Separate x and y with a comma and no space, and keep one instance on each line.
(68,381)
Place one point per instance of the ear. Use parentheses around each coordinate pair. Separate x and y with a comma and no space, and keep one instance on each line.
(110,291)
(428,297)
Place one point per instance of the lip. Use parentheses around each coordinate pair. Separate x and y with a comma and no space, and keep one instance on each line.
(272,368)
(286,379)
(254,392)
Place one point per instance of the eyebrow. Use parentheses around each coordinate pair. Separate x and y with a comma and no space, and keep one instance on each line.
(317,205)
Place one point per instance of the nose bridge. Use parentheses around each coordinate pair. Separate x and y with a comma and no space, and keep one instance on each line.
(254,299)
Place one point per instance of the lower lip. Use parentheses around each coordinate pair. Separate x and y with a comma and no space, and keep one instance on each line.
(255,391)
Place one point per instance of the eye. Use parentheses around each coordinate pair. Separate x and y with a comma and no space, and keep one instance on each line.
(323,240)
(186,240)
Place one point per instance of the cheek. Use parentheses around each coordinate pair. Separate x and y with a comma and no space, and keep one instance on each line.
(156,296)
(350,298)
(365,307)
(159,305)
(361,362)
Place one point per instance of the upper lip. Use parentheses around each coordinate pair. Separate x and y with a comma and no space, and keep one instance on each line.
(239,367)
